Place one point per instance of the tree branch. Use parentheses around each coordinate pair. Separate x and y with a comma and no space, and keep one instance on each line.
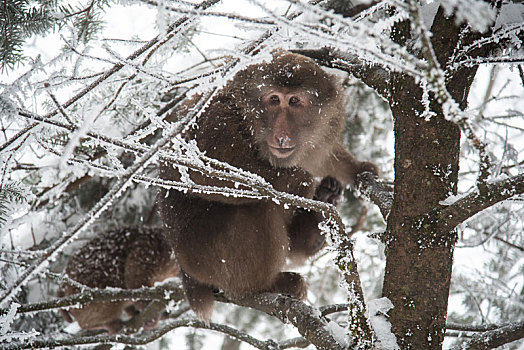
(494,338)
(449,216)
(171,31)
(171,291)
(310,323)
(374,76)
(141,338)
(378,192)
(474,328)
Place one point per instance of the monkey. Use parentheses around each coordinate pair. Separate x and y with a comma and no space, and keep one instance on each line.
(126,258)
(282,120)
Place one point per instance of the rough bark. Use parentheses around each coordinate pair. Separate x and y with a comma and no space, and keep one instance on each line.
(419,260)
(420,257)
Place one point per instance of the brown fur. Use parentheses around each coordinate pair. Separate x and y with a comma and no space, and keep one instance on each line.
(128,258)
(241,245)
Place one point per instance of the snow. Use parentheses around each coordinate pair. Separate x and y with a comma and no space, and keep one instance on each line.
(377,311)
(6,335)
(74,141)
(452,199)
(479,15)
(361,39)
(339,333)
(510,13)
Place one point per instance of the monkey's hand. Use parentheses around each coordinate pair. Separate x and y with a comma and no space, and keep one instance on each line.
(329,190)
(370,167)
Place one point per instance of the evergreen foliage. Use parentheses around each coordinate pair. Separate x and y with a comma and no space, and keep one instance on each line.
(21,19)
(10,192)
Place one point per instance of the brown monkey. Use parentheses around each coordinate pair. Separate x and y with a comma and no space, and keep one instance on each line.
(127,258)
(282,120)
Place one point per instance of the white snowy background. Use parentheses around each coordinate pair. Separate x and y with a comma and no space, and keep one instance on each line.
(216,36)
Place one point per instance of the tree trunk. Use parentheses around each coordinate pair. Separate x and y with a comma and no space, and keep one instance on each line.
(420,257)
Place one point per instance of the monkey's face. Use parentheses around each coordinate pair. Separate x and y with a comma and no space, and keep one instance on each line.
(284,123)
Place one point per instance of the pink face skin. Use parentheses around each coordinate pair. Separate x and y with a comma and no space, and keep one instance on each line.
(286,108)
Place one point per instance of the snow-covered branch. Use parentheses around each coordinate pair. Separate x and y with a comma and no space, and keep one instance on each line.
(494,338)
(317,329)
(177,27)
(377,191)
(141,338)
(448,216)
(311,322)
(375,76)
(168,291)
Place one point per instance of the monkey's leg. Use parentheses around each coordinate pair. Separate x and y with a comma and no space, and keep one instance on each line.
(305,237)
(290,283)
(239,249)
(137,307)
(100,316)
(200,297)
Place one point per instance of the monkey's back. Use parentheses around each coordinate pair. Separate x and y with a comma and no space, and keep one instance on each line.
(102,261)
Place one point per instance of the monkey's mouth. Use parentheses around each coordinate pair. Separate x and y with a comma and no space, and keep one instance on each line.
(281,152)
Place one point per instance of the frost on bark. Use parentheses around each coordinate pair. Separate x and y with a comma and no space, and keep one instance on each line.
(420,254)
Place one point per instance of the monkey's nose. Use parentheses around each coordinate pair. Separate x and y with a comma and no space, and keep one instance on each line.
(284,141)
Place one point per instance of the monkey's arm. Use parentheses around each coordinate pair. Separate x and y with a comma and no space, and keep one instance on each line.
(343,166)
(305,236)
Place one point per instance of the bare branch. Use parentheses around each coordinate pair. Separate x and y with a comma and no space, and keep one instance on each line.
(374,76)
(308,320)
(377,191)
(494,338)
(141,338)
(448,217)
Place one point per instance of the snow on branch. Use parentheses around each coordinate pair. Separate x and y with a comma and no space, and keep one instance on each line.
(452,213)
(504,35)
(494,338)
(140,338)
(436,83)
(165,291)
(374,76)
(377,191)
(177,27)
(309,321)
(196,12)
(475,328)
(6,319)
(370,46)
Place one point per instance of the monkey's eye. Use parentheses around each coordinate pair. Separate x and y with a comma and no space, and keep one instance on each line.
(273,99)
(294,100)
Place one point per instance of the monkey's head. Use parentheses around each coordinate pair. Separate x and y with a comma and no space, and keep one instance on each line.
(293,107)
